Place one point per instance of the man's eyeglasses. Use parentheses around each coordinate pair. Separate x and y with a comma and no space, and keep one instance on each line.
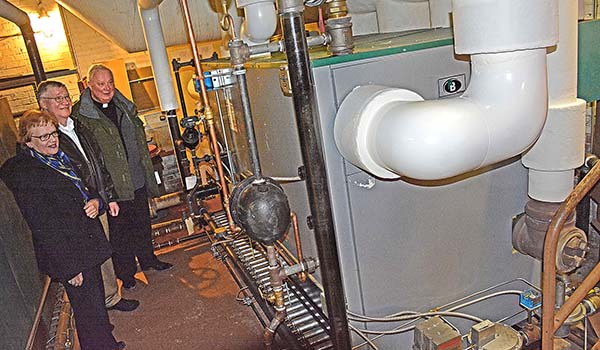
(59,99)
(47,136)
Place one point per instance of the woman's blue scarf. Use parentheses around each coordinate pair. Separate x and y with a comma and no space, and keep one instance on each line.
(61,163)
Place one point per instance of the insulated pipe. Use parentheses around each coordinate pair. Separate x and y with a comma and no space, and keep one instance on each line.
(155,43)
(391,132)
(208,114)
(291,13)
(163,81)
(561,146)
(13,14)
(550,321)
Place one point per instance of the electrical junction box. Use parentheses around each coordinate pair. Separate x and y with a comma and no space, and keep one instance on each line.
(436,334)
(530,299)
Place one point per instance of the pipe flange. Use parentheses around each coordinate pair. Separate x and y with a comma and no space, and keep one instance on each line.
(571,250)
(576,316)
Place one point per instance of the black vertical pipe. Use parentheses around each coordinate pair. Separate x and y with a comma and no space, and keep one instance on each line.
(33,53)
(179,148)
(176,66)
(316,175)
(243,84)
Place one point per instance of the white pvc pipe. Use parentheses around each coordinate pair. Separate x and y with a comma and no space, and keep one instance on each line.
(499,116)
(260,20)
(158,54)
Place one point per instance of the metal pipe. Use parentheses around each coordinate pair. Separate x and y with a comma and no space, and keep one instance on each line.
(176,65)
(195,54)
(208,114)
(179,240)
(549,321)
(316,173)
(276,278)
(20,18)
(301,275)
(182,161)
(240,73)
(230,115)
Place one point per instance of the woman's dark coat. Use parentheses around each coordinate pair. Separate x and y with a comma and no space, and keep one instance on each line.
(65,240)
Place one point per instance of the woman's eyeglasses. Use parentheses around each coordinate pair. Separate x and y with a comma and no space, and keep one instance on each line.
(47,136)
(59,99)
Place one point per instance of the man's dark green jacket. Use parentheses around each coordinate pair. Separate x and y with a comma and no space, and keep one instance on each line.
(108,138)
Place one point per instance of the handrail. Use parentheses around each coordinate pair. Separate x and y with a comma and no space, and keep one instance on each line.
(38,313)
(551,321)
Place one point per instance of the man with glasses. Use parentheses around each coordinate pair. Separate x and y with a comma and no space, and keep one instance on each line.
(77,142)
(119,132)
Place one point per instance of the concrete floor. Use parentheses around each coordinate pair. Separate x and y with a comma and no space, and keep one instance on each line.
(190,307)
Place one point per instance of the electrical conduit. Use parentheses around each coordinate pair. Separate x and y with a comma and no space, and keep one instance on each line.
(391,132)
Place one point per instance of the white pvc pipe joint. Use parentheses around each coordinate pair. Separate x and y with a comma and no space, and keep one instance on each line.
(158,54)
(260,20)
(391,132)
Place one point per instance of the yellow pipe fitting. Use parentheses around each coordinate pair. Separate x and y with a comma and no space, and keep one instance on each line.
(337,8)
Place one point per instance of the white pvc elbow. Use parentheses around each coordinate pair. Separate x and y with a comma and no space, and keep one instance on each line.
(260,20)
(390,133)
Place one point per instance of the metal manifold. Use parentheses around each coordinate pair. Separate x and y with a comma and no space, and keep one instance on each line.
(305,319)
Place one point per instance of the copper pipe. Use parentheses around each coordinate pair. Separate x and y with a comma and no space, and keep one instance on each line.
(301,275)
(578,295)
(217,154)
(208,114)
(196,55)
(284,254)
(38,313)
(549,323)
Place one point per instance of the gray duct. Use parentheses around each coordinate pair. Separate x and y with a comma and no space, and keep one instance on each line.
(20,18)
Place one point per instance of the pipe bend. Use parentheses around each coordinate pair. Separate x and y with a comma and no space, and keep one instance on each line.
(14,14)
(392,132)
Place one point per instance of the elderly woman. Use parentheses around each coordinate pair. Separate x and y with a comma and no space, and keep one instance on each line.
(62,213)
